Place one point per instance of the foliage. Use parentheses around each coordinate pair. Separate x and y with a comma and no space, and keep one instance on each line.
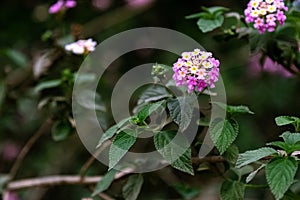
(41,64)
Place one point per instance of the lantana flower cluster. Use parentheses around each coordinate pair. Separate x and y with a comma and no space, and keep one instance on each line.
(197,70)
(81,46)
(265,14)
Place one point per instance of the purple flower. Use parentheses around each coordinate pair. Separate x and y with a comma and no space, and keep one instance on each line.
(61,5)
(269,66)
(138,3)
(264,14)
(197,70)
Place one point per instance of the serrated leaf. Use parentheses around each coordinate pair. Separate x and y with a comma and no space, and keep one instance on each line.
(186,191)
(285,120)
(120,146)
(105,182)
(232,190)
(234,109)
(47,85)
(176,152)
(231,154)
(153,93)
(279,144)
(254,155)
(181,111)
(253,174)
(207,25)
(239,109)
(148,109)
(133,187)
(112,131)
(290,138)
(61,130)
(223,133)
(280,173)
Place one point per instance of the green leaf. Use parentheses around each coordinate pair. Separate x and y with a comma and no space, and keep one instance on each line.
(232,190)
(231,154)
(254,155)
(203,122)
(105,182)
(215,9)
(61,130)
(253,174)
(175,151)
(153,93)
(239,109)
(181,110)
(289,195)
(133,187)
(280,173)
(290,138)
(207,25)
(285,120)
(279,144)
(120,146)
(199,15)
(148,109)
(47,85)
(234,109)
(17,57)
(223,133)
(112,131)
(186,191)
(4,178)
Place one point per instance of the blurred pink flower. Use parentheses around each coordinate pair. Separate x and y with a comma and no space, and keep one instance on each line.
(101,4)
(255,68)
(10,151)
(61,5)
(81,46)
(10,196)
(138,3)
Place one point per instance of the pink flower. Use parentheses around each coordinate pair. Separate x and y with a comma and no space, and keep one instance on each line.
(138,3)
(197,70)
(269,66)
(61,5)
(261,13)
(81,46)
(101,4)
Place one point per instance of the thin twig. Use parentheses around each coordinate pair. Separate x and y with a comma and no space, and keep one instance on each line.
(210,159)
(61,180)
(91,160)
(45,127)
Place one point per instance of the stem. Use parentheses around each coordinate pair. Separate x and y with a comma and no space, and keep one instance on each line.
(92,159)
(61,180)
(45,127)
(210,159)
(255,186)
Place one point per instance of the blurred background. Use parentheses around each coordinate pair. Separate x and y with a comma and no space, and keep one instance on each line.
(31,41)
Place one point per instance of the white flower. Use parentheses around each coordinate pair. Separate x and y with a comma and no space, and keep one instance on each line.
(81,46)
